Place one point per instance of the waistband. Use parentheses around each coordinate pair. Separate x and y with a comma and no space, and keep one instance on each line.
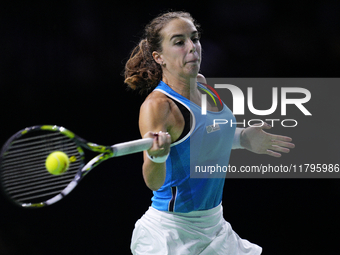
(196,219)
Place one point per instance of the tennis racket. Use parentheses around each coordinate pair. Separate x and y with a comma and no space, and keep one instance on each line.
(24,177)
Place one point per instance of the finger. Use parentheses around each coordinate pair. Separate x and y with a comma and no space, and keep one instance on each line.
(164,140)
(283,144)
(273,154)
(168,138)
(160,146)
(161,139)
(280,149)
(262,125)
(281,138)
(149,135)
(155,145)
(266,126)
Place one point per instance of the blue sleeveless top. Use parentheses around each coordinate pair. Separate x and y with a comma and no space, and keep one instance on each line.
(204,147)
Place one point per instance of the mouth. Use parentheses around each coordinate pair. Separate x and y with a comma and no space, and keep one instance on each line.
(194,61)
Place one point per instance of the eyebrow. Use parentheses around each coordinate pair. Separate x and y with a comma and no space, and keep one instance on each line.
(182,35)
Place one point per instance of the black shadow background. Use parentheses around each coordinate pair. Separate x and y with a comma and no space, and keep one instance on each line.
(61,63)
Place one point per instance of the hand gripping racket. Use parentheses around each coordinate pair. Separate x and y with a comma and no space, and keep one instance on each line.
(24,177)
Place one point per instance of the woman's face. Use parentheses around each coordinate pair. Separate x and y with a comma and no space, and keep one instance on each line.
(181,49)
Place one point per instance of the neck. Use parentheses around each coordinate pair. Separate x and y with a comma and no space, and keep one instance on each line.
(187,87)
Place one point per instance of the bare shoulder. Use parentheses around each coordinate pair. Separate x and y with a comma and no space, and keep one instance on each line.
(155,113)
(156,103)
(160,113)
(201,78)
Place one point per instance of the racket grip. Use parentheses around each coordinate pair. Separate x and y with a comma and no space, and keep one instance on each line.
(135,146)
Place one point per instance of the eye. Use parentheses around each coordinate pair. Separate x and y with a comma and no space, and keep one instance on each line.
(179,43)
(195,39)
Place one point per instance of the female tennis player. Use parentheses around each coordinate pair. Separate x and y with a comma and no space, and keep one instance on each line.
(186,215)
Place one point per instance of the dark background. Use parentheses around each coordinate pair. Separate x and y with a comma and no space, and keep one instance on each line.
(61,63)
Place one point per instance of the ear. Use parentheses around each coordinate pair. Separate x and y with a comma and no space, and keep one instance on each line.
(157,57)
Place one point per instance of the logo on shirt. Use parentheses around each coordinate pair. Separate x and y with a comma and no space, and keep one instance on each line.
(209,93)
(212,128)
(204,98)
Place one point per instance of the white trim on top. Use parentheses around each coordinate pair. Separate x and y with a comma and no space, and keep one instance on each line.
(192,114)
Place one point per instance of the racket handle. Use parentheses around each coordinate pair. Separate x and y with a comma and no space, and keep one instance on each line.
(135,146)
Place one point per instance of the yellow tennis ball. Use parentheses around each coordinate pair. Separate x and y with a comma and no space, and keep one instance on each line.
(57,163)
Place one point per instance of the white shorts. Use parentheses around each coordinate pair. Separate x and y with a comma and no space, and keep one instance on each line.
(200,232)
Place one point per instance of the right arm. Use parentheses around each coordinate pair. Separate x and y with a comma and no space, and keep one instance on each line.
(154,119)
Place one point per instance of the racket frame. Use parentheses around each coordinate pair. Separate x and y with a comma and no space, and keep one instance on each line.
(106,152)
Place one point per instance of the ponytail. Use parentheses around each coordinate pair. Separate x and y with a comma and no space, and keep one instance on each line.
(141,70)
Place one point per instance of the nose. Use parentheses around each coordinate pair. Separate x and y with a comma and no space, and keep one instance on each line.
(193,47)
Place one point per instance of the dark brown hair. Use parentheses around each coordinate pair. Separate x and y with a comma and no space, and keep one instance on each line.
(142,72)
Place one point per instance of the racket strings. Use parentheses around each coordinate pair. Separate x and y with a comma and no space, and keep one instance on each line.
(24,175)
(26,180)
(34,151)
(28,163)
